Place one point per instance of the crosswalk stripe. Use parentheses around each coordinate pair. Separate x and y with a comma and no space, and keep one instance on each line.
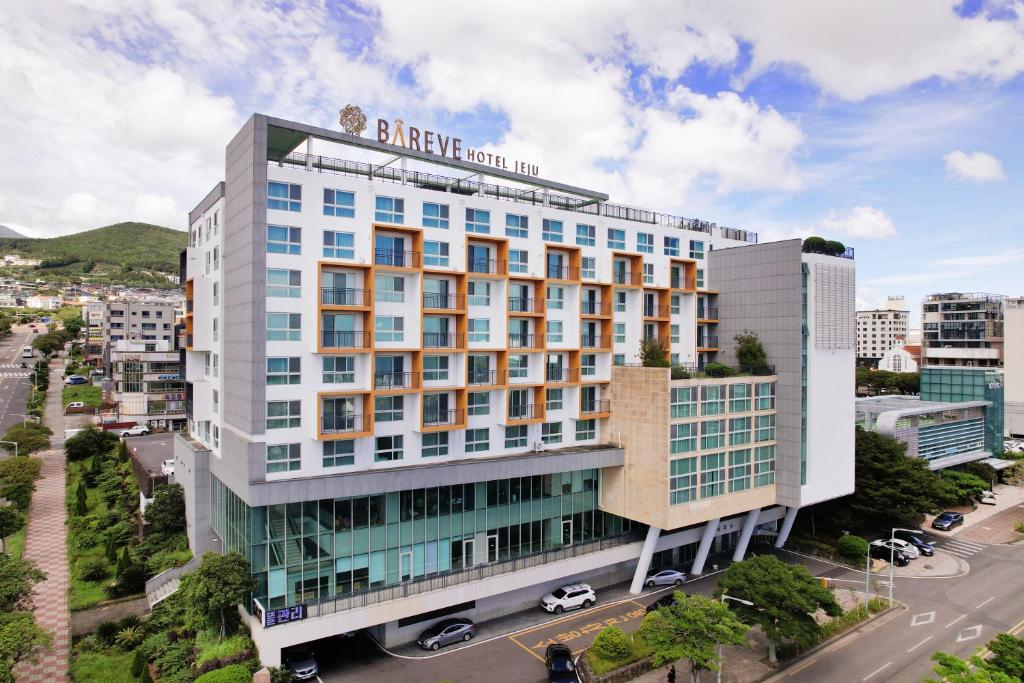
(957,553)
(974,546)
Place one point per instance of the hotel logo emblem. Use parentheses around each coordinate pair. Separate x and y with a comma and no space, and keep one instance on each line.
(352,120)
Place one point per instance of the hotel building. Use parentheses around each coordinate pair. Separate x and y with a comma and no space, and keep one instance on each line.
(412,385)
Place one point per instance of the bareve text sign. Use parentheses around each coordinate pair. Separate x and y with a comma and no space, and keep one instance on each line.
(430,142)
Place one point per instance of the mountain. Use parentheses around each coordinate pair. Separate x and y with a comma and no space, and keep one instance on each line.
(122,247)
(7,232)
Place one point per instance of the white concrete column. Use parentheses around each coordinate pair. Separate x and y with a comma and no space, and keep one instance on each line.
(705,546)
(787,526)
(646,553)
(749,524)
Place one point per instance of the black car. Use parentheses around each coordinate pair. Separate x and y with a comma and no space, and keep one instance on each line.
(947,520)
(663,601)
(880,552)
(924,547)
(558,659)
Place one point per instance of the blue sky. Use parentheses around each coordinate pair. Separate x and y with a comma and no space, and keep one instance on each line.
(893,127)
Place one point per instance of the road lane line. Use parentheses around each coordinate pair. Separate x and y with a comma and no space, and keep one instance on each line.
(920,644)
(877,671)
(959,618)
(800,668)
(986,602)
(844,642)
(532,653)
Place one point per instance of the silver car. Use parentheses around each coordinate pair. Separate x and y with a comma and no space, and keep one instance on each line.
(446,632)
(665,577)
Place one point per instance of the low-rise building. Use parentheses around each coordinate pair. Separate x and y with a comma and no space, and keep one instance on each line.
(900,359)
(147,383)
(44,302)
(960,384)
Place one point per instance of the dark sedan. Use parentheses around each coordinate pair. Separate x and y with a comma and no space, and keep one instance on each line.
(923,546)
(561,668)
(947,521)
(882,553)
(664,601)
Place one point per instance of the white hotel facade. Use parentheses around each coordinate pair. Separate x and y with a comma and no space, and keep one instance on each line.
(413,394)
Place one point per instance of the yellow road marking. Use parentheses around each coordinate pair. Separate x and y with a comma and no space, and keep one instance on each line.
(567,618)
(526,649)
(644,607)
(800,668)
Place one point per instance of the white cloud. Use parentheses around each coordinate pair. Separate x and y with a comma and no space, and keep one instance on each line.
(976,166)
(861,221)
(999,258)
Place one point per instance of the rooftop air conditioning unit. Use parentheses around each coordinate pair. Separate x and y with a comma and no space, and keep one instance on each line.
(538,446)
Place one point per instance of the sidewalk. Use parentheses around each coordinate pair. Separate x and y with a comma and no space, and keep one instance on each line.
(46,545)
(988,523)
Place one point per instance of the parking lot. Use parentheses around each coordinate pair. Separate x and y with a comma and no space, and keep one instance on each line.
(152,449)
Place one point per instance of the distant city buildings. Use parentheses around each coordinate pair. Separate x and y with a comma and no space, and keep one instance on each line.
(1013,365)
(962,330)
(46,303)
(19,261)
(903,358)
(881,329)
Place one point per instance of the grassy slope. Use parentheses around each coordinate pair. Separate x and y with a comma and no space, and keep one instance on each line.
(91,667)
(91,396)
(82,594)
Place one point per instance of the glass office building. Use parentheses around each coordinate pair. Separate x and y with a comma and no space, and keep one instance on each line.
(958,384)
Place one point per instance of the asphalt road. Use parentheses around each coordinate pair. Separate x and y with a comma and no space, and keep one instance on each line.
(14,383)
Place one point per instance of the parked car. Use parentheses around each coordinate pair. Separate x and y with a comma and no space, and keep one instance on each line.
(987,498)
(446,632)
(903,546)
(137,430)
(76,379)
(665,577)
(561,668)
(882,553)
(569,597)
(923,546)
(74,404)
(947,521)
(663,601)
(302,664)
(167,467)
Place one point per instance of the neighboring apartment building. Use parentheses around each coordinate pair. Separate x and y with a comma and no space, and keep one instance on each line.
(147,383)
(1013,365)
(881,329)
(138,320)
(412,386)
(962,330)
(93,315)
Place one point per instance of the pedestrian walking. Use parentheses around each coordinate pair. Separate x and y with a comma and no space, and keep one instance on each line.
(672,674)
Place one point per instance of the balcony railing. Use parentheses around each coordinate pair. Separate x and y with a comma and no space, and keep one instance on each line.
(625,277)
(595,341)
(556,374)
(396,380)
(440,418)
(521,411)
(595,308)
(398,259)
(562,272)
(443,340)
(521,305)
(525,341)
(451,302)
(342,424)
(708,313)
(487,266)
(330,296)
(602,405)
(656,312)
(708,342)
(357,339)
(482,377)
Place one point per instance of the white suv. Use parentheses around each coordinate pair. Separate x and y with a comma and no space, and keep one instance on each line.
(569,597)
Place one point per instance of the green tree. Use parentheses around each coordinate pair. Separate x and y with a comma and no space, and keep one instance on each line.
(1009,655)
(952,669)
(750,353)
(110,550)
(88,442)
(17,480)
(21,639)
(219,584)
(785,596)
(30,437)
(814,245)
(16,580)
(692,628)
(612,644)
(81,501)
(233,673)
(853,549)
(48,343)
(962,486)
(166,514)
(906,382)
(11,521)
(653,353)
(716,369)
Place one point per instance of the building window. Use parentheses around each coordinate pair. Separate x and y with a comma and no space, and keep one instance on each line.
(674,334)
(390,288)
(339,369)
(388,408)
(712,434)
(284,196)
(555,331)
(551,432)
(645,243)
(339,244)
(648,273)
(696,249)
(216,293)
(588,364)
(478,220)
(284,283)
(435,254)
(712,400)
(551,230)
(339,453)
(284,240)
(554,399)
(518,366)
(516,226)
(739,470)
(479,330)
(586,430)
(479,293)
(518,260)
(589,270)
(619,359)
(712,475)
(283,457)
(339,203)
(620,333)
(284,414)
(389,210)
(671,246)
(739,431)
(435,444)
(764,428)
(478,440)
(616,238)
(739,398)
(216,433)
(435,215)
(620,302)
(435,368)
(700,278)
(556,298)
(388,448)
(682,438)
(515,437)
(281,370)
(284,326)
(765,396)
(682,483)
(586,235)
(479,403)
(764,465)
(389,328)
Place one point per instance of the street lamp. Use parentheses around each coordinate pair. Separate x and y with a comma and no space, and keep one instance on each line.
(718,675)
(892,554)
(24,418)
(15,446)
